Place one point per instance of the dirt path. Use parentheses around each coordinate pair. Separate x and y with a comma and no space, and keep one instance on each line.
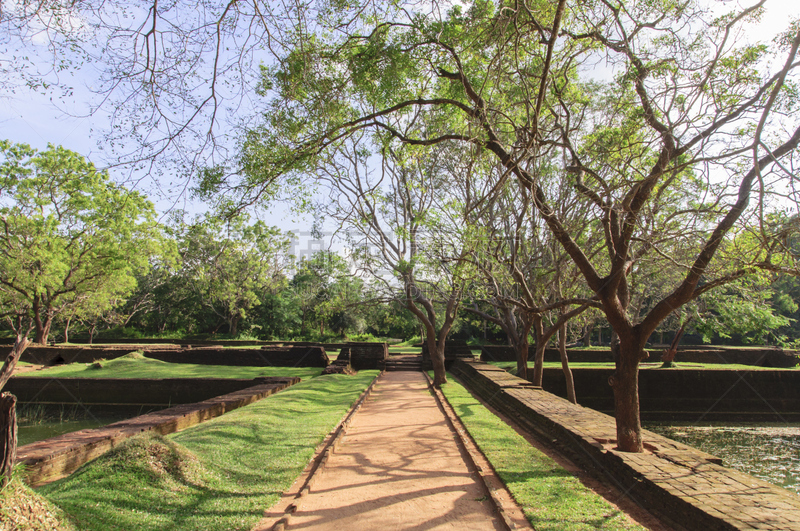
(399,467)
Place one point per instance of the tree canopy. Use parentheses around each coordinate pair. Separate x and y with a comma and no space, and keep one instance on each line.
(71,240)
(685,147)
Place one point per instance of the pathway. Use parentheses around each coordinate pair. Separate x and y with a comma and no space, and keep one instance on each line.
(398,468)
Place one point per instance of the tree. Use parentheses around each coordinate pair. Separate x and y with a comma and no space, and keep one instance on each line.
(71,240)
(403,223)
(741,309)
(527,275)
(232,264)
(688,104)
(325,288)
(8,402)
(172,78)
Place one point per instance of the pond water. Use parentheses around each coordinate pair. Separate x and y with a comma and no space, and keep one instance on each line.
(36,423)
(767,451)
(32,433)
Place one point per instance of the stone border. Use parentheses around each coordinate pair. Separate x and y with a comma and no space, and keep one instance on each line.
(148,392)
(57,457)
(507,509)
(265,356)
(292,499)
(758,357)
(686,394)
(682,485)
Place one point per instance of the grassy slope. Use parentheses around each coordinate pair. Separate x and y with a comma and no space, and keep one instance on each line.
(221,474)
(134,365)
(22,508)
(551,497)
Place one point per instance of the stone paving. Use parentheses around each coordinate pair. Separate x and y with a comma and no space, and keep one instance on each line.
(683,485)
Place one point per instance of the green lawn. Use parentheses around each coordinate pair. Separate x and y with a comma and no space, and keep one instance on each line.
(219,475)
(134,365)
(551,497)
(409,349)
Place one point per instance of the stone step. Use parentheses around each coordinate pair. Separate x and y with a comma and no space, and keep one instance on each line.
(404,363)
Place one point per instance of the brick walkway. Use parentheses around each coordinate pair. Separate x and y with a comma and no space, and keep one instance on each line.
(683,485)
(399,467)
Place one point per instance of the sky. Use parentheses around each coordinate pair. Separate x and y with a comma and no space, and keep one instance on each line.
(38,118)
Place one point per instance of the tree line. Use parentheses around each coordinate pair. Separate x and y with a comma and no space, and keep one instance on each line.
(83,257)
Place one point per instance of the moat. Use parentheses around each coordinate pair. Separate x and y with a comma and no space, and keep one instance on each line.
(765,450)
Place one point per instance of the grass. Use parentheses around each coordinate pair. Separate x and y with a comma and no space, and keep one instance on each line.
(219,475)
(550,496)
(134,365)
(512,365)
(22,508)
(413,350)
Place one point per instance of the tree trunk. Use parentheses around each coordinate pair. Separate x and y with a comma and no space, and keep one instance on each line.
(66,330)
(562,350)
(587,335)
(91,333)
(233,326)
(538,364)
(669,355)
(436,351)
(8,436)
(7,370)
(43,329)
(522,357)
(625,383)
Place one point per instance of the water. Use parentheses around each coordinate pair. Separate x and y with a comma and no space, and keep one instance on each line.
(32,433)
(767,451)
(36,422)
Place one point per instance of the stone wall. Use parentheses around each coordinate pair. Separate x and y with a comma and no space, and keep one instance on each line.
(181,342)
(368,356)
(683,486)
(761,395)
(112,391)
(59,355)
(268,356)
(454,349)
(311,356)
(759,357)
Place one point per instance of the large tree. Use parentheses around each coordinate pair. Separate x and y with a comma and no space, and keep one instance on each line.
(232,264)
(529,280)
(687,102)
(71,239)
(403,216)
(327,291)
